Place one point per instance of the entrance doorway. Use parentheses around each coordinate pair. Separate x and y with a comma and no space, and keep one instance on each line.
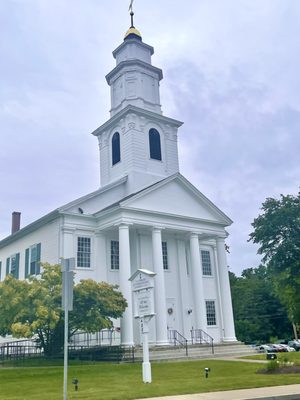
(171,314)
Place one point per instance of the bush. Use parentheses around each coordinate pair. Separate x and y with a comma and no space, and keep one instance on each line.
(272,365)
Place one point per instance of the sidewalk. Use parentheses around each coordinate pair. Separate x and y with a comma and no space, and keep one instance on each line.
(288,392)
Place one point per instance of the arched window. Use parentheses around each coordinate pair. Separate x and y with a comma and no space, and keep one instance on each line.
(115,146)
(154,144)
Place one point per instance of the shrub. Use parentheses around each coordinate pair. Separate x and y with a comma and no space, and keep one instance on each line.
(272,365)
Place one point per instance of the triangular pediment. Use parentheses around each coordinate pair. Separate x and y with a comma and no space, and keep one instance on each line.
(177,196)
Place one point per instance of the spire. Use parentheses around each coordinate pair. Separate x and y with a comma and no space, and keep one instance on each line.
(131,15)
(131,12)
(132,31)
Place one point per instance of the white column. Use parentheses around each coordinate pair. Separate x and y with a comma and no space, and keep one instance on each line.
(229,332)
(125,286)
(99,257)
(221,319)
(183,294)
(197,283)
(160,292)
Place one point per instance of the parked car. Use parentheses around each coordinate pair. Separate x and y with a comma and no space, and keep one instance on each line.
(266,348)
(288,348)
(295,344)
(280,347)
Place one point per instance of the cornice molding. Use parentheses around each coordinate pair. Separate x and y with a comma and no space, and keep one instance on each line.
(140,112)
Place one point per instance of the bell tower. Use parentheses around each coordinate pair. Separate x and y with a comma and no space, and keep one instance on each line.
(137,141)
(134,80)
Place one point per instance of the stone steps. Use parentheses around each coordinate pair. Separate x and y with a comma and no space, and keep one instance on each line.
(165,353)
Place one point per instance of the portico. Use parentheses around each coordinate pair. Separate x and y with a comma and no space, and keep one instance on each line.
(178,267)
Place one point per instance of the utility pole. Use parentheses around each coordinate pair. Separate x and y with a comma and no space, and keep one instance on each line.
(67,268)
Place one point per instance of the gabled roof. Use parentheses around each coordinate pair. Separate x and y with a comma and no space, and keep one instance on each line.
(98,192)
(132,201)
(45,219)
(30,228)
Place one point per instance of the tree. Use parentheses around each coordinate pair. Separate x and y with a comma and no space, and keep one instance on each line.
(33,307)
(277,231)
(258,314)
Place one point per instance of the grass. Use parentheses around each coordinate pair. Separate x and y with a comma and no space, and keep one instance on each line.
(124,381)
(282,357)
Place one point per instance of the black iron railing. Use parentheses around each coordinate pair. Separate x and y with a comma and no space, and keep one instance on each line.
(102,353)
(105,337)
(19,349)
(199,336)
(178,339)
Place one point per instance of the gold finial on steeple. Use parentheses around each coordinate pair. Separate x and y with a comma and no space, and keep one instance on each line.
(132,31)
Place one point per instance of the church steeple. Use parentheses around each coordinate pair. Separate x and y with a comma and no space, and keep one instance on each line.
(134,80)
(137,141)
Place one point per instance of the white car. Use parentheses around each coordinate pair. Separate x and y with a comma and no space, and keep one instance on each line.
(266,348)
(287,347)
(295,344)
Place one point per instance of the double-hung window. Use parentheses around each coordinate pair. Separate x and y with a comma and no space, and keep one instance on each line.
(32,260)
(206,262)
(164,246)
(83,252)
(114,255)
(211,312)
(12,265)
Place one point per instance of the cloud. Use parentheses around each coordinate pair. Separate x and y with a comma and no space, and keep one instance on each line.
(231,73)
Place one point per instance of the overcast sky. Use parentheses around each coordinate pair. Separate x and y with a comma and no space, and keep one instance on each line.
(231,73)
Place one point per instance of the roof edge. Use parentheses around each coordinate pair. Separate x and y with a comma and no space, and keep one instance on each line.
(102,189)
(209,203)
(30,228)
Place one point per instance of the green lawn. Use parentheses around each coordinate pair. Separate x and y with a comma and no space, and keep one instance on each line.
(124,381)
(281,357)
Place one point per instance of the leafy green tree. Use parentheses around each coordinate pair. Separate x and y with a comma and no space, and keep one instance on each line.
(33,307)
(277,231)
(258,313)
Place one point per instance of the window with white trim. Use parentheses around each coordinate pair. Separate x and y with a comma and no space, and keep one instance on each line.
(154,144)
(114,255)
(32,260)
(12,265)
(211,312)
(164,246)
(187,259)
(83,252)
(206,262)
(116,148)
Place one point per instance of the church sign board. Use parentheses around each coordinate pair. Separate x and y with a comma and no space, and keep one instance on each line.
(142,286)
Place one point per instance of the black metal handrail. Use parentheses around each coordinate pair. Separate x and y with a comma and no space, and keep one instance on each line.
(178,339)
(200,336)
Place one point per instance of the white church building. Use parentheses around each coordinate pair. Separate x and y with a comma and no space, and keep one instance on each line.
(144,215)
